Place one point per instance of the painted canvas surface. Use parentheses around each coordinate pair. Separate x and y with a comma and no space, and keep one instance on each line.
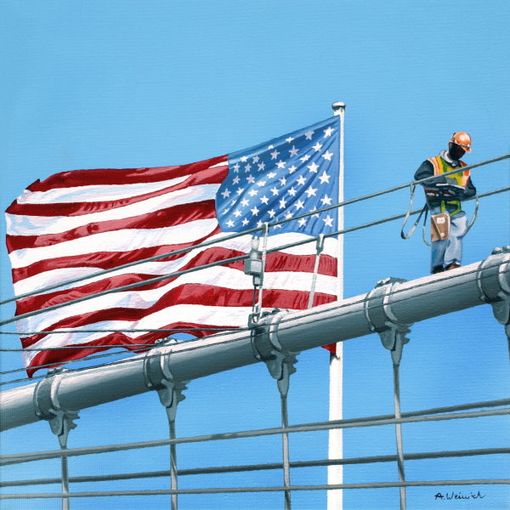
(124,84)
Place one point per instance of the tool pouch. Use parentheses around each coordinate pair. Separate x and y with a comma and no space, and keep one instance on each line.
(439,226)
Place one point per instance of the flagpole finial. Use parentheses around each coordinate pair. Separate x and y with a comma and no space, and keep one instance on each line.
(338,107)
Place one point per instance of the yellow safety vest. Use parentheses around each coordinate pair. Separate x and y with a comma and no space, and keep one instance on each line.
(459,179)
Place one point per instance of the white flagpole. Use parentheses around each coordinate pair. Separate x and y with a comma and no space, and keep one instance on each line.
(335,443)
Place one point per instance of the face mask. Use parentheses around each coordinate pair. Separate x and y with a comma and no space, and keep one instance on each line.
(455,151)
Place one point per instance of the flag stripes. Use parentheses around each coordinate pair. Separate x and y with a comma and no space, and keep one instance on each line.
(75,224)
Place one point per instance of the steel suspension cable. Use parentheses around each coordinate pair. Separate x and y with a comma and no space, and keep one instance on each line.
(282,323)
(252,231)
(371,421)
(213,264)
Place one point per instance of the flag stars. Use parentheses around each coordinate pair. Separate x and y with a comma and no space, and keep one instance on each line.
(237,213)
(261,166)
(255,159)
(281,164)
(283,181)
(243,159)
(292,169)
(274,191)
(289,139)
(313,167)
(293,152)
(236,180)
(302,222)
(299,205)
(261,184)
(264,200)
(327,155)
(328,132)
(225,193)
(328,221)
(292,192)
(239,191)
(255,211)
(271,175)
(272,213)
(311,191)
(250,179)
(317,147)
(301,180)
(305,158)
(244,222)
(283,203)
(288,216)
(247,168)
(253,192)
(275,154)
(230,223)
(245,202)
(309,134)
(326,200)
(324,178)
(236,168)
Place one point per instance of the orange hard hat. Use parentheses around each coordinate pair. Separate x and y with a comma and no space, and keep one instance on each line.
(463,139)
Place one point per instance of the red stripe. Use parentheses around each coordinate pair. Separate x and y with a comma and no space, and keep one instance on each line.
(161,218)
(189,294)
(103,260)
(64,355)
(207,176)
(110,176)
(275,262)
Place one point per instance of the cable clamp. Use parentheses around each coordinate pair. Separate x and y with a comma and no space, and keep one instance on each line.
(158,376)
(383,321)
(48,407)
(267,348)
(501,302)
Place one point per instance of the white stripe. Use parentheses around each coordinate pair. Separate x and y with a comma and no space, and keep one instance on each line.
(196,314)
(218,276)
(25,225)
(95,193)
(118,241)
(242,244)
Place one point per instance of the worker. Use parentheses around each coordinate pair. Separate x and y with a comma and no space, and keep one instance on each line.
(444,196)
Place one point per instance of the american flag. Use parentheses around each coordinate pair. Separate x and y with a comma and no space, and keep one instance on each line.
(75,224)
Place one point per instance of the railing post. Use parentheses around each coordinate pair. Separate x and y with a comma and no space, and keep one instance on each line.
(280,364)
(159,377)
(393,337)
(47,407)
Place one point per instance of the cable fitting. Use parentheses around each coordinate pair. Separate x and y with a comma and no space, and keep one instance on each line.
(159,377)
(47,406)
(382,320)
(267,348)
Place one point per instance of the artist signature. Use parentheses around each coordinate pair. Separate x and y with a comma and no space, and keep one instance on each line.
(447,496)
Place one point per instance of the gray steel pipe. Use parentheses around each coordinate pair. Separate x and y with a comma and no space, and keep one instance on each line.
(487,281)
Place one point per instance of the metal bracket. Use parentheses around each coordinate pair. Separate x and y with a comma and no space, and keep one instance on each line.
(47,406)
(159,377)
(267,347)
(501,309)
(491,280)
(382,320)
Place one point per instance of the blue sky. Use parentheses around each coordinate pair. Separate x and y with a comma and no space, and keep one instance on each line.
(132,83)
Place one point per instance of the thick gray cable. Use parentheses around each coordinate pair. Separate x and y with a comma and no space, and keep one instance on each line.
(230,490)
(260,467)
(251,231)
(214,264)
(192,347)
(11,459)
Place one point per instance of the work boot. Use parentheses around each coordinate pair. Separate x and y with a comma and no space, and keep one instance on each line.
(453,265)
(437,269)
